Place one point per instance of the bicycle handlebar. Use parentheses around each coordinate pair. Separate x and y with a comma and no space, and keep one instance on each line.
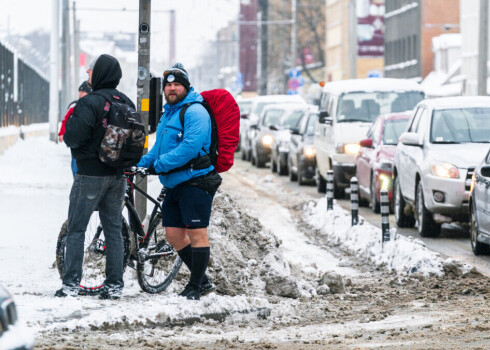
(139,171)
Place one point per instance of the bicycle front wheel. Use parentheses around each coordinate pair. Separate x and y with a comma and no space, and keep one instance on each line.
(158,262)
(94,257)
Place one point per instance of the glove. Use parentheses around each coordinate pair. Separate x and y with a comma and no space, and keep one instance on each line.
(151,170)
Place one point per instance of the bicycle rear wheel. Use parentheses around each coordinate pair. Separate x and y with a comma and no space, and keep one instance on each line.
(156,273)
(94,259)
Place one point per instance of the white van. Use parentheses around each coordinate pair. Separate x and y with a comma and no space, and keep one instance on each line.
(347,109)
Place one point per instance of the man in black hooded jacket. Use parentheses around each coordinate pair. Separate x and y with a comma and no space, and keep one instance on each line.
(96,185)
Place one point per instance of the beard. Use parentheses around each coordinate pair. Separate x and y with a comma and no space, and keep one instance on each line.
(174,97)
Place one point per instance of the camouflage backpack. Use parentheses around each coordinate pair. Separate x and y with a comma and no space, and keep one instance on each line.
(124,139)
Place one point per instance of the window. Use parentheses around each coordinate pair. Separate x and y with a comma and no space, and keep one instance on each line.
(272,117)
(461,126)
(415,120)
(393,129)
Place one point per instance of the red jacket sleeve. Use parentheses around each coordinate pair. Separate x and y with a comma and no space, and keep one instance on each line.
(68,114)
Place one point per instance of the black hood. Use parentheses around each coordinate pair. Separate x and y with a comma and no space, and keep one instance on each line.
(106,73)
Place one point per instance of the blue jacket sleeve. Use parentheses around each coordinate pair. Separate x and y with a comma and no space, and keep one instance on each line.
(152,155)
(197,129)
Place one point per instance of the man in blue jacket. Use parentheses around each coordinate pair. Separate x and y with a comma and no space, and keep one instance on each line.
(181,157)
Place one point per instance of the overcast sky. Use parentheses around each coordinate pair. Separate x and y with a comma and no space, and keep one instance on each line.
(196,20)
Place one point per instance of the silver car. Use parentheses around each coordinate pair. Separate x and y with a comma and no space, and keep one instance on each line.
(480,208)
(435,160)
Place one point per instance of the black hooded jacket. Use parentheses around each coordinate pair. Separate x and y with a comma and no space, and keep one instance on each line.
(84,130)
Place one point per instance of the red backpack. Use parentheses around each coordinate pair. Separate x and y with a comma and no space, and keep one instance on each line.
(225,126)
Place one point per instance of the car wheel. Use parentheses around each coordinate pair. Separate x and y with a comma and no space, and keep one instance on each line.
(282,169)
(273,165)
(401,219)
(259,163)
(338,192)
(321,183)
(476,246)
(252,159)
(374,195)
(425,223)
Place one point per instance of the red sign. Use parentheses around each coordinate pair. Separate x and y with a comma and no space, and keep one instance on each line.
(370,27)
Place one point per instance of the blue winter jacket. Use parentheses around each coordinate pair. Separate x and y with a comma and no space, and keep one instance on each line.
(173,149)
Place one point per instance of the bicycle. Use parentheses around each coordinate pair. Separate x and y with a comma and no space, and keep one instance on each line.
(155,260)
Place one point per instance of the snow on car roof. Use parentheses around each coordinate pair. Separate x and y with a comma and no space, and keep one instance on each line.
(371,85)
(457,102)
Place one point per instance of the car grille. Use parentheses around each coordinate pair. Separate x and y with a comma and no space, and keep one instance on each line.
(469,174)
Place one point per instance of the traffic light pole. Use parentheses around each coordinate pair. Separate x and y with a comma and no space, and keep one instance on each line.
(143,86)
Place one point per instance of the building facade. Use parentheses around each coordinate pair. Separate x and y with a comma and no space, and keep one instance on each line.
(410,26)
(354,51)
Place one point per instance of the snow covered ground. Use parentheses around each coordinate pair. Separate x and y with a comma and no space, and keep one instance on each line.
(35,180)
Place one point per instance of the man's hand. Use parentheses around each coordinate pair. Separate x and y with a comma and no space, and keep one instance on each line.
(60,138)
(151,170)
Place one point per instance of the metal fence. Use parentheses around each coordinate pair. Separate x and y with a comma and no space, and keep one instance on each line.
(24,93)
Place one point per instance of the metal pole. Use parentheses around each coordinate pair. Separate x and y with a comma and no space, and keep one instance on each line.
(354,200)
(483,49)
(385,213)
(352,39)
(65,58)
(263,4)
(143,86)
(171,55)
(293,35)
(329,190)
(53,72)
(76,49)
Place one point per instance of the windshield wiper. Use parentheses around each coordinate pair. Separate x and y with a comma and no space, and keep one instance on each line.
(353,120)
(446,142)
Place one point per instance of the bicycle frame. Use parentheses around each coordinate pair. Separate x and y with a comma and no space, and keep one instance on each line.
(142,240)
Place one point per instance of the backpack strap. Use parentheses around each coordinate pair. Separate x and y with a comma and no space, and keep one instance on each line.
(183,110)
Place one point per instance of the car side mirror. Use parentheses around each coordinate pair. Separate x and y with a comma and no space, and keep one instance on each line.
(294,131)
(368,143)
(254,126)
(324,118)
(485,171)
(410,139)
(244,116)
(273,127)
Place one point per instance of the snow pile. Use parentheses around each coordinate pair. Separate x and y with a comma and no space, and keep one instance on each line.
(401,254)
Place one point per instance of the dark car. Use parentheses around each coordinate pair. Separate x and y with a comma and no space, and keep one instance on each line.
(11,337)
(245,105)
(480,208)
(281,138)
(301,155)
(374,162)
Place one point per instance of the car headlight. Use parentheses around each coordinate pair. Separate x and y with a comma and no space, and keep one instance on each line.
(385,181)
(446,170)
(267,140)
(309,151)
(349,148)
(473,180)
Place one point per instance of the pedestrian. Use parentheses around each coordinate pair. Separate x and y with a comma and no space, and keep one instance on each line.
(96,185)
(181,156)
(83,90)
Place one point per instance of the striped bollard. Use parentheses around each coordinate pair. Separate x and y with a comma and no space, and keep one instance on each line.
(354,200)
(385,213)
(329,190)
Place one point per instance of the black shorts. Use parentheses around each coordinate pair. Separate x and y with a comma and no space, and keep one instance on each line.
(187,206)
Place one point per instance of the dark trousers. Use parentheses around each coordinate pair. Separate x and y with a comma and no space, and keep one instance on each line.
(88,193)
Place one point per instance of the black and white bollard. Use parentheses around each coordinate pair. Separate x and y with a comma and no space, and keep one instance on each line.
(354,200)
(385,216)
(329,190)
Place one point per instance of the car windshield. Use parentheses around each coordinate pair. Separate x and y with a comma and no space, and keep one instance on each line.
(393,129)
(366,106)
(310,127)
(461,125)
(291,120)
(272,117)
(244,106)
